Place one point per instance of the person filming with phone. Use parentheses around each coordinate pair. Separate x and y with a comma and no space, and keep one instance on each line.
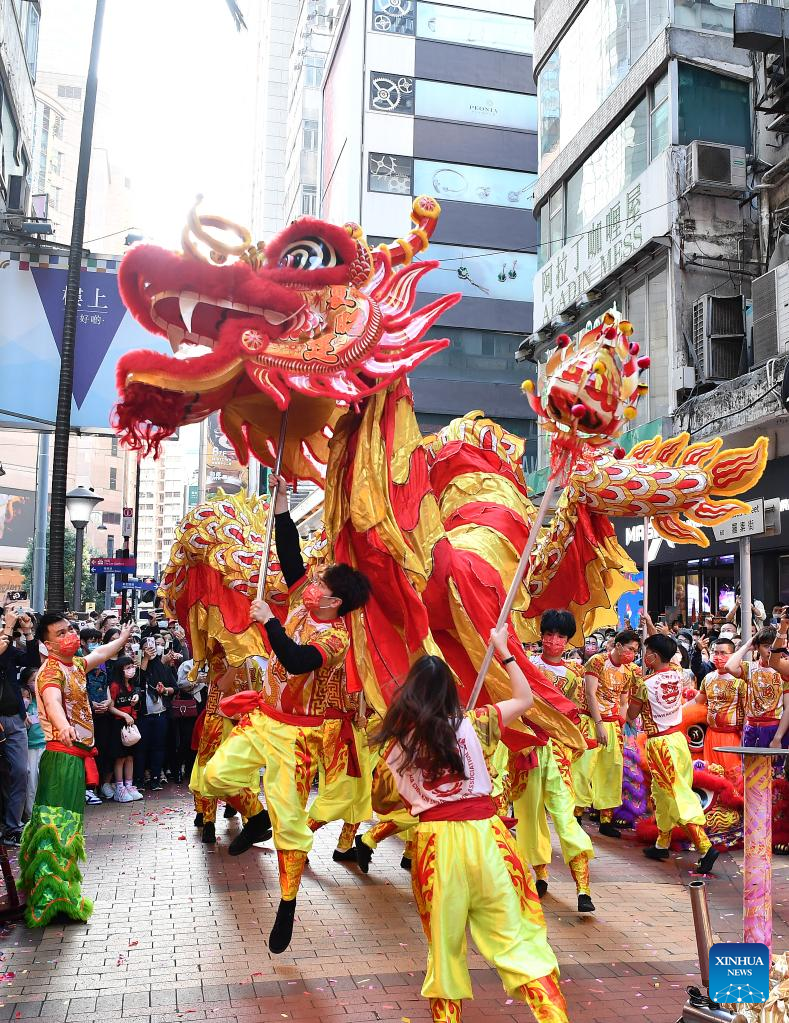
(158,678)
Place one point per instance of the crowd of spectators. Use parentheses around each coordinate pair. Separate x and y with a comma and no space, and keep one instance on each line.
(144,710)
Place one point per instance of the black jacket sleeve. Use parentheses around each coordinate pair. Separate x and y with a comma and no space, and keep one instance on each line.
(699,666)
(286,537)
(295,659)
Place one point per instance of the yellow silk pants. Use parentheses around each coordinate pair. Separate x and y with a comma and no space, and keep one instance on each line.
(469,874)
(670,764)
(549,787)
(216,730)
(597,774)
(292,755)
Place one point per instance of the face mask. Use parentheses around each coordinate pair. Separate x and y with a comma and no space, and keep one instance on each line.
(129,672)
(313,597)
(92,647)
(719,660)
(626,656)
(553,646)
(67,646)
(159,650)
(135,648)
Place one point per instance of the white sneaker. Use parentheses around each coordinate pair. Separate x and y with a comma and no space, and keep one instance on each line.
(134,792)
(122,796)
(91,798)
(107,790)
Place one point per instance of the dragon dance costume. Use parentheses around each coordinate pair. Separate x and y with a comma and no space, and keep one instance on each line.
(548,788)
(658,699)
(763,691)
(299,726)
(467,873)
(53,841)
(597,774)
(722,694)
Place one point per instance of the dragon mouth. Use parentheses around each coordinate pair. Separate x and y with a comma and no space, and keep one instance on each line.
(191,319)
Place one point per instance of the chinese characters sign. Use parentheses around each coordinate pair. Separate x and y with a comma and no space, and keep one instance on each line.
(751,524)
(621,229)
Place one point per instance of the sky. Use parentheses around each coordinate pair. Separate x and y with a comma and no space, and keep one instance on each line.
(179,81)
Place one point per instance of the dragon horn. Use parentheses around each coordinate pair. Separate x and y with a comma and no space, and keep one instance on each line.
(424,214)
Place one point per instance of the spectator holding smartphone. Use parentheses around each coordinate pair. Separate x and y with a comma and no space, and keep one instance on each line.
(99,696)
(36,743)
(13,732)
(158,683)
(124,704)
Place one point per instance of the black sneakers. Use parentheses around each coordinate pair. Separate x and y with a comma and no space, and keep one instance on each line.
(610,831)
(707,861)
(541,886)
(363,854)
(585,904)
(209,833)
(652,852)
(256,829)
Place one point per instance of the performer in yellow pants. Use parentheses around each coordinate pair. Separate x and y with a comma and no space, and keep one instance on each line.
(305,720)
(609,679)
(548,787)
(214,731)
(466,871)
(658,701)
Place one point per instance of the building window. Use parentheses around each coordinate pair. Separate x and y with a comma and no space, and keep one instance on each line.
(713,108)
(465,103)
(552,225)
(31,39)
(465,183)
(114,447)
(659,122)
(70,91)
(111,518)
(390,174)
(309,200)
(394,16)
(570,90)
(708,17)
(310,136)
(646,304)
(312,76)
(474,28)
(58,129)
(113,478)
(480,273)
(391,94)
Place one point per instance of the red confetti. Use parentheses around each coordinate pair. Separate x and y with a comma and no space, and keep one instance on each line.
(182,838)
(133,943)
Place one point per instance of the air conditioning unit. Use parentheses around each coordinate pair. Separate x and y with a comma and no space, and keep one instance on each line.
(18,194)
(718,335)
(770,302)
(715,170)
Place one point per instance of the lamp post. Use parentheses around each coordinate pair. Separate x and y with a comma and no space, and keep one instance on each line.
(80,503)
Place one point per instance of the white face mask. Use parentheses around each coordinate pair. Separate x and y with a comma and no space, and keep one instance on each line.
(135,647)
(159,650)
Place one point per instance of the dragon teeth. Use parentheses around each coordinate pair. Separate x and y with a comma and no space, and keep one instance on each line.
(187,301)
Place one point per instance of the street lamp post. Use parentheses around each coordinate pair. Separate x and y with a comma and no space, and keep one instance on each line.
(80,503)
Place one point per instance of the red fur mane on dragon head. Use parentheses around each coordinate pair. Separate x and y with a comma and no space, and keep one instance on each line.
(314,320)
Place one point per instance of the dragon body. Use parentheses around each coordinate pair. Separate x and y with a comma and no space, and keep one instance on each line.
(322,325)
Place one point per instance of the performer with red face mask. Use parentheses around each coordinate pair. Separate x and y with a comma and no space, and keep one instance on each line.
(609,679)
(548,787)
(722,693)
(53,840)
(302,723)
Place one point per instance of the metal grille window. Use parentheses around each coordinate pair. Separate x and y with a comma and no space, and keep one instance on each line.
(113,478)
(390,174)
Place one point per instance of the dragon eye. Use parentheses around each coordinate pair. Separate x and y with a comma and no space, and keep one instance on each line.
(309,254)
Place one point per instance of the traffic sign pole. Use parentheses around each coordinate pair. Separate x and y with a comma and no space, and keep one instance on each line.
(745,588)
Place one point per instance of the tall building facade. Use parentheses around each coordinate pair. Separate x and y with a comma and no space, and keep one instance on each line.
(162,503)
(19,31)
(439,98)
(648,202)
(311,41)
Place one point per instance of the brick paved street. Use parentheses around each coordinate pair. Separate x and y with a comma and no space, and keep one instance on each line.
(179,933)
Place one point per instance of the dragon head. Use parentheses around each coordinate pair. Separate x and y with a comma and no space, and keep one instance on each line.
(314,320)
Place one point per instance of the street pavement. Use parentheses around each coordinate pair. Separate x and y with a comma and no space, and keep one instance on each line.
(179,933)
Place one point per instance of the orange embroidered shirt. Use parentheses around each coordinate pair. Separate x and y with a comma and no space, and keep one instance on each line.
(567,678)
(762,691)
(724,708)
(317,691)
(71,680)
(615,684)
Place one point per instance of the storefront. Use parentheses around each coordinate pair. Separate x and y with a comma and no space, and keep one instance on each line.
(687,581)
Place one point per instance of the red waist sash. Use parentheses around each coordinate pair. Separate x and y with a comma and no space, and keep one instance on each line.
(667,731)
(475,808)
(88,755)
(725,729)
(763,721)
(249,700)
